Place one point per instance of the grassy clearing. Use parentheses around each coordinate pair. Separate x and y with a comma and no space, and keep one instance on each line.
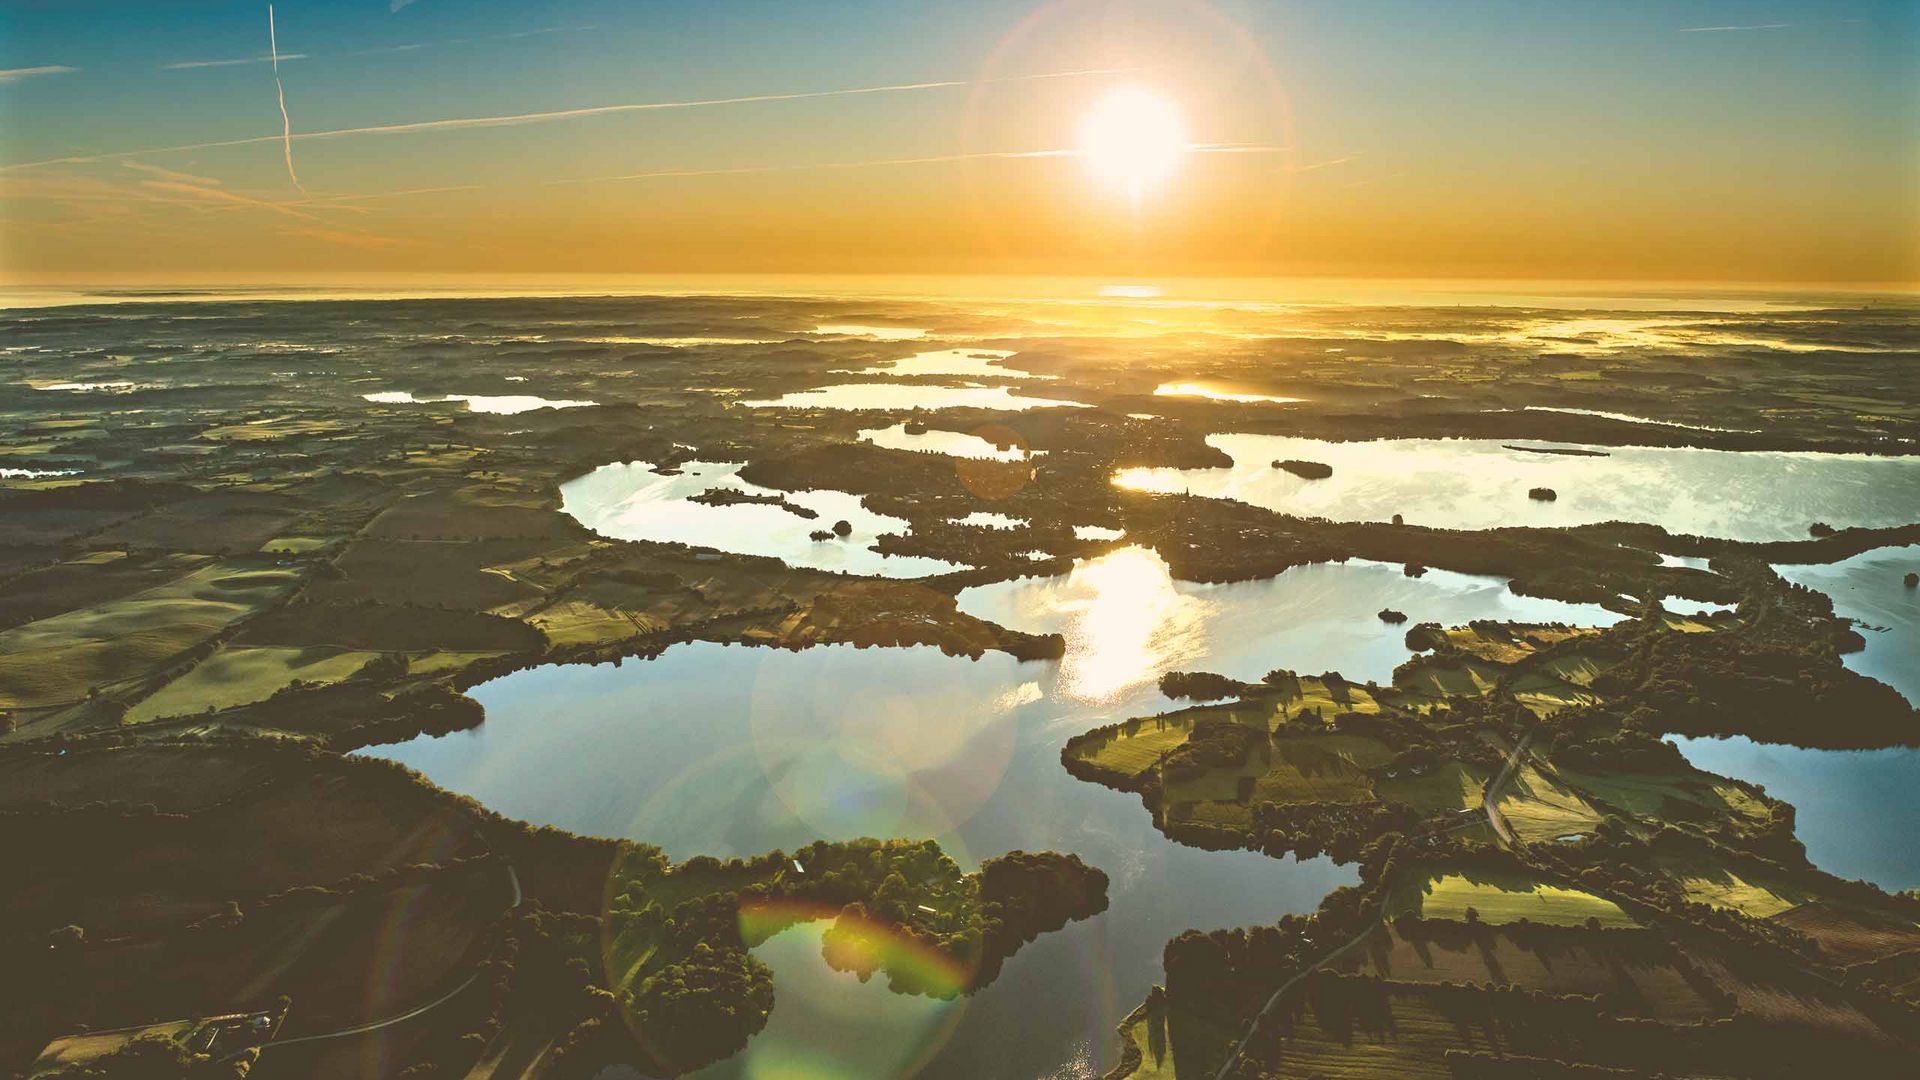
(1538,808)
(335,956)
(434,663)
(1673,797)
(211,524)
(578,622)
(480,513)
(1500,897)
(1447,677)
(298,545)
(144,872)
(279,427)
(1328,768)
(431,574)
(1851,935)
(170,778)
(1708,882)
(1578,669)
(76,1049)
(91,579)
(1413,1049)
(1452,786)
(1329,700)
(1640,971)
(1138,745)
(56,660)
(1156,1060)
(389,628)
(240,676)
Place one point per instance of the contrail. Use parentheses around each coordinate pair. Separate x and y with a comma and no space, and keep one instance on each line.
(563,114)
(286,122)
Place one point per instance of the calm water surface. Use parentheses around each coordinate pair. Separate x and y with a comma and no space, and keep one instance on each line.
(1127,620)
(1858,811)
(950,443)
(630,501)
(912,396)
(1480,484)
(729,750)
(971,363)
(505,404)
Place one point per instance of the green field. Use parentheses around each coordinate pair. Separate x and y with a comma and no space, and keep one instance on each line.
(1757,895)
(1138,745)
(1501,897)
(1452,786)
(241,676)
(1640,969)
(1672,796)
(1328,768)
(1538,808)
(55,660)
(1330,701)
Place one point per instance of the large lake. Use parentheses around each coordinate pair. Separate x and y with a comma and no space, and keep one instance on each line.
(730,750)
(1484,484)
(631,501)
(1858,811)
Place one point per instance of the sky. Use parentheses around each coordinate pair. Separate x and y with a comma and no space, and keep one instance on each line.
(1726,141)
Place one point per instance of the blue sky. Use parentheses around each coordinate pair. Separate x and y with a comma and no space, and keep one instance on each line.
(1709,133)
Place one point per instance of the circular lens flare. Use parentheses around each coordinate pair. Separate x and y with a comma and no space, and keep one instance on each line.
(1133,140)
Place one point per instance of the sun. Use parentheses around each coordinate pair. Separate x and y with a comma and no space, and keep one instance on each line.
(1132,140)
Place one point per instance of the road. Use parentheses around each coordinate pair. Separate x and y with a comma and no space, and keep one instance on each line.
(1273,1000)
(1490,800)
(513,879)
(1494,818)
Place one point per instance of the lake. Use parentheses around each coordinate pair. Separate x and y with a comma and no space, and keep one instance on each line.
(950,443)
(1859,810)
(893,396)
(630,501)
(969,363)
(731,750)
(1869,588)
(1126,619)
(1483,484)
(504,404)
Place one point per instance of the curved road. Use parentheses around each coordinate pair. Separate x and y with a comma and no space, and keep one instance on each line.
(1499,823)
(513,878)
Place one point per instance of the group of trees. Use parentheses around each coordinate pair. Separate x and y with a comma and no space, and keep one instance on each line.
(693,993)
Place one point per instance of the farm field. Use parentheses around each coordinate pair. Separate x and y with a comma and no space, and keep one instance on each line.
(1498,898)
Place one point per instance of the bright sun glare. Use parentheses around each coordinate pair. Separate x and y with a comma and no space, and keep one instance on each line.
(1132,140)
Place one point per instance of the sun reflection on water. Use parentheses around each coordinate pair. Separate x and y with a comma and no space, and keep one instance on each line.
(1127,624)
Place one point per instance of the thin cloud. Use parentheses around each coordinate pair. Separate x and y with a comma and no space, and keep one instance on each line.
(342,236)
(1327,164)
(1733,29)
(14,75)
(561,114)
(334,200)
(170,174)
(223,196)
(263,58)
